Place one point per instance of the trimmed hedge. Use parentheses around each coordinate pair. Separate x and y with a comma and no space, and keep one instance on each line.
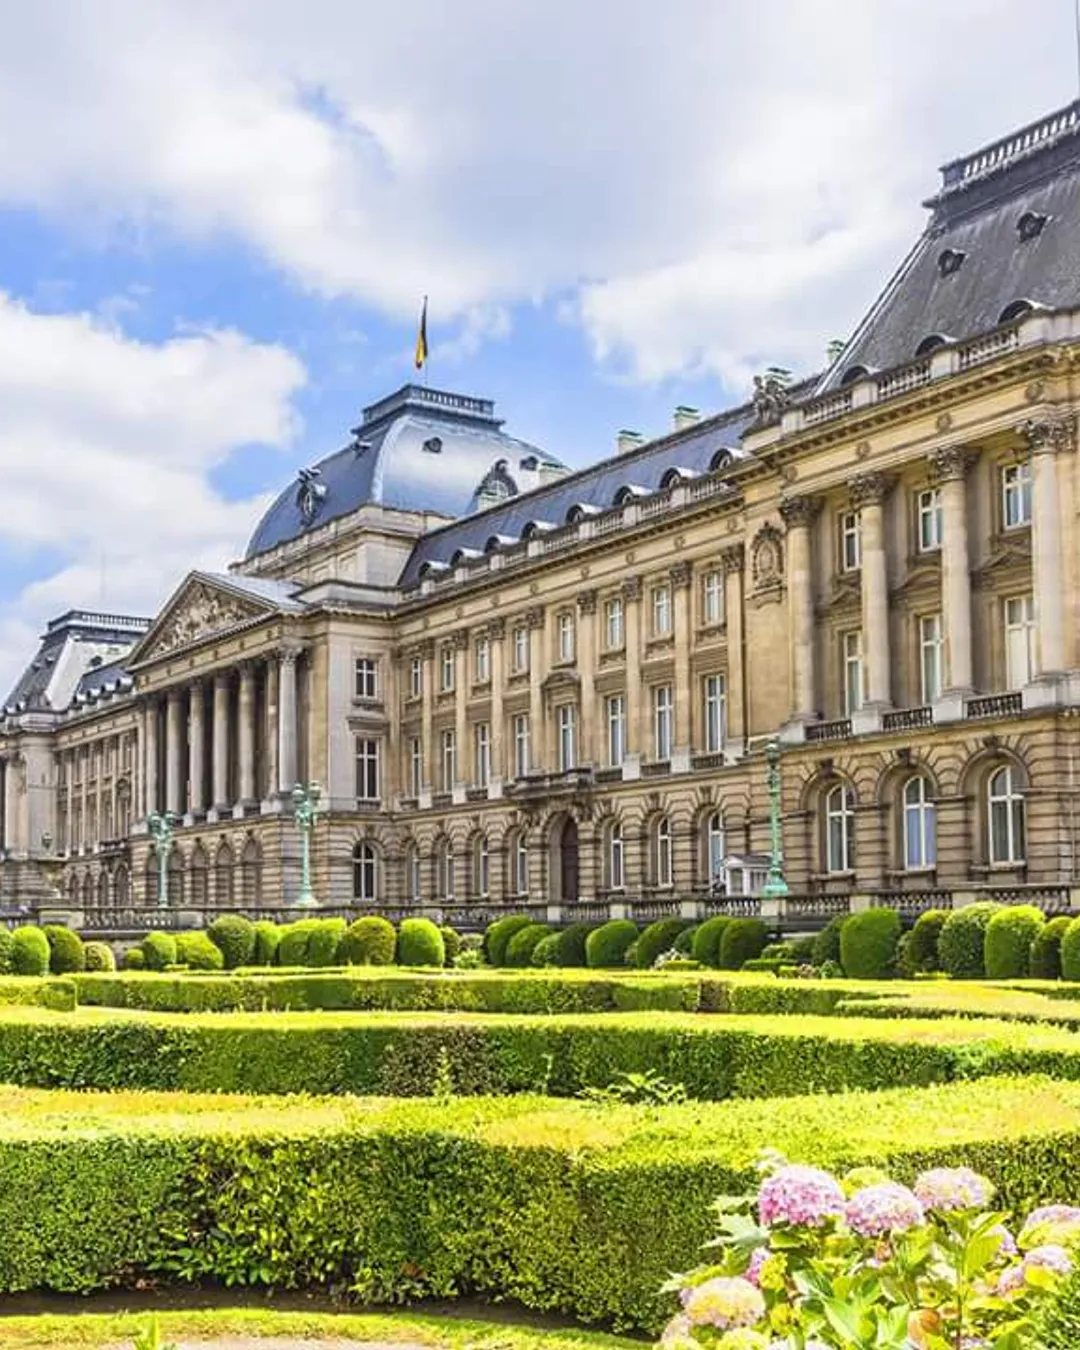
(99,956)
(1057,1321)
(570,946)
(962,942)
(827,943)
(451,943)
(196,951)
(29,951)
(46,992)
(134,959)
(234,937)
(293,942)
(66,952)
(741,941)
(706,944)
(657,938)
(324,941)
(868,943)
(684,941)
(606,946)
(920,956)
(546,951)
(7,950)
(1044,962)
(370,941)
(1070,951)
(267,938)
(420,943)
(563,1207)
(1009,937)
(159,950)
(498,935)
(520,948)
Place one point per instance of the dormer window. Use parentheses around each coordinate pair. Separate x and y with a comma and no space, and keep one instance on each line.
(433,445)
(931,343)
(854,373)
(950,260)
(1016,309)
(1030,225)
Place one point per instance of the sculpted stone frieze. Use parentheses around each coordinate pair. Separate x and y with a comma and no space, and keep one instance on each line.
(201,611)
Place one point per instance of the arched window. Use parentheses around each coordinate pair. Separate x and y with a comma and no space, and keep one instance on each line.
(840,829)
(481,867)
(920,825)
(88,891)
(200,872)
(365,873)
(223,876)
(413,882)
(122,885)
(251,874)
(444,870)
(518,853)
(176,879)
(662,870)
(102,897)
(713,851)
(151,885)
(616,857)
(1005,815)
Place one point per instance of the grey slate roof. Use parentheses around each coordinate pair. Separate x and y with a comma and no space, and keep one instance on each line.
(417,450)
(280,594)
(63,664)
(977,213)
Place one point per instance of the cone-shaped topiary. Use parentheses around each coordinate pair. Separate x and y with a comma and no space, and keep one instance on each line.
(961,944)
(1045,960)
(570,945)
(499,934)
(605,947)
(706,944)
(920,954)
(1008,941)
(658,937)
(234,937)
(159,950)
(420,944)
(197,952)
(30,951)
(370,941)
(520,948)
(868,942)
(741,941)
(99,956)
(267,937)
(66,955)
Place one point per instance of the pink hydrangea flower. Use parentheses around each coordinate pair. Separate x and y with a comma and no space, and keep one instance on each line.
(950,1188)
(1050,1256)
(678,1334)
(884,1209)
(804,1197)
(758,1257)
(1060,1221)
(1008,1247)
(725,1302)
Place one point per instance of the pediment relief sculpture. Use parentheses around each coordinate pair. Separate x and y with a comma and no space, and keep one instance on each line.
(199,612)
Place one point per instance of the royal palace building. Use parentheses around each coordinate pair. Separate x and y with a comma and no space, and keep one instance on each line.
(521,684)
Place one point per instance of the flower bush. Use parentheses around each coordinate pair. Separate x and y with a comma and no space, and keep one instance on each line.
(819,1262)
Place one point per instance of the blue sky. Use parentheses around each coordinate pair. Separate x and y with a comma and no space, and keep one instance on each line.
(217,221)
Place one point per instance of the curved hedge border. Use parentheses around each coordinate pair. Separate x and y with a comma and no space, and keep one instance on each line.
(57,994)
(562,1206)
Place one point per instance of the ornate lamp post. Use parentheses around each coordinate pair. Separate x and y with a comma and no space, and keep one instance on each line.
(305,805)
(161,826)
(775,885)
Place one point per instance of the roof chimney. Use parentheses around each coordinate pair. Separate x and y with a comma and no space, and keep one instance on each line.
(628,440)
(685,417)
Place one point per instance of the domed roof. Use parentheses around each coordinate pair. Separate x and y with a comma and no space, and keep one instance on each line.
(418,450)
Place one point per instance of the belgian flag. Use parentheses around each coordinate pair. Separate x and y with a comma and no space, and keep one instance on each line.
(421,339)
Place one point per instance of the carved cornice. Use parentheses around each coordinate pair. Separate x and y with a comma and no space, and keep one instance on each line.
(631,588)
(799,512)
(951,463)
(680,575)
(586,601)
(1050,433)
(870,489)
(733,558)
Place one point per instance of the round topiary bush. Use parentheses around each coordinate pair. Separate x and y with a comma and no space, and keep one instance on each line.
(705,947)
(1045,960)
(293,943)
(370,941)
(1008,941)
(546,951)
(196,951)
(134,959)
(499,934)
(827,943)
(451,939)
(267,937)
(520,948)
(570,945)
(99,956)
(29,951)
(66,955)
(684,941)
(741,941)
(605,947)
(868,943)
(7,945)
(962,940)
(657,938)
(920,953)
(324,943)
(159,950)
(1070,951)
(420,944)
(234,937)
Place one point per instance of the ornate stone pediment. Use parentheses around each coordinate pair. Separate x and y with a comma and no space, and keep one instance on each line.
(200,610)
(1011,550)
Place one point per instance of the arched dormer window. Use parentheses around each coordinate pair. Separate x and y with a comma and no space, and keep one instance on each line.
(1018,309)
(629,492)
(931,343)
(674,476)
(854,373)
(950,260)
(581,511)
(722,459)
(464,555)
(537,527)
(495,542)
(432,568)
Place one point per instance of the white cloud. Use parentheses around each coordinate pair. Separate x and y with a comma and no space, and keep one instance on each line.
(106,445)
(720,179)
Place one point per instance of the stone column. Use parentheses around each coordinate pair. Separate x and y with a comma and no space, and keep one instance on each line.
(589,731)
(799,514)
(631,593)
(950,466)
(465,766)
(1047,436)
(271,729)
(868,493)
(221,741)
(11,804)
(496,635)
(534,620)
(174,754)
(287,724)
(426,653)
(732,561)
(196,742)
(680,577)
(246,733)
(152,793)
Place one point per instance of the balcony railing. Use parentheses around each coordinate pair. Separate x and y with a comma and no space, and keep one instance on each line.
(908,719)
(838,730)
(995,705)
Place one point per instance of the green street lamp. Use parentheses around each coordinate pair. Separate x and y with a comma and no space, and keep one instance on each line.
(305,806)
(775,885)
(161,826)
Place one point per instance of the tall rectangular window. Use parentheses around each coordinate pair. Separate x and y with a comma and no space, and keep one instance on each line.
(565,631)
(850,542)
(616,729)
(482,742)
(446,668)
(1019,640)
(416,677)
(416,766)
(482,660)
(928,510)
(367,769)
(521,745)
(715,713)
(613,624)
(521,649)
(1016,495)
(931,649)
(448,760)
(661,611)
(365,679)
(852,656)
(567,737)
(712,598)
(662,721)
